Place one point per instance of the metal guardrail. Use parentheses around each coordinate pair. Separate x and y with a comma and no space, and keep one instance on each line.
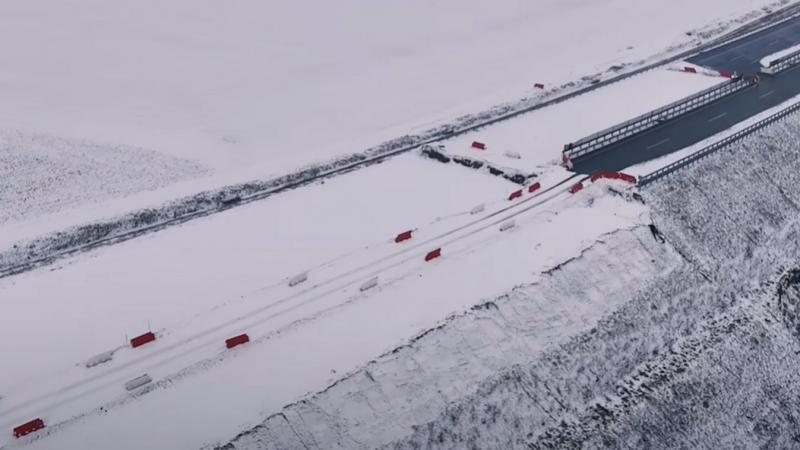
(781,64)
(651,119)
(739,135)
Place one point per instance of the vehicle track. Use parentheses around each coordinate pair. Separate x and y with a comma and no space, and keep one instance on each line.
(212,337)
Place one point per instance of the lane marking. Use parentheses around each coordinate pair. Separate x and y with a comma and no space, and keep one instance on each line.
(765,95)
(658,143)
(717,117)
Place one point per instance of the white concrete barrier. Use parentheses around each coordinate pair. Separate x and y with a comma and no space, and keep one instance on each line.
(297,279)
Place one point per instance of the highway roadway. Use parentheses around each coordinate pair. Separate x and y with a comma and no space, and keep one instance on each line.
(741,56)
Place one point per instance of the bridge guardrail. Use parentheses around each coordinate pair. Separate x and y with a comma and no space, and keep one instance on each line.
(702,153)
(651,119)
(783,63)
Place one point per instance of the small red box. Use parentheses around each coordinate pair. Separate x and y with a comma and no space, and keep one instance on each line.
(534,187)
(237,340)
(138,341)
(515,194)
(433,254)
(404,236)
(28,428)
(479,145)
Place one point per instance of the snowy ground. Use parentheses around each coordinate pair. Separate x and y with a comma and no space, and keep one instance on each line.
(700,349)
(207,280)
(155,281)
(253,90)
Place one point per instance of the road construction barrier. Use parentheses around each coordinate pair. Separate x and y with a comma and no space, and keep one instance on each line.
(690,69)
(237,340)
(477,210)
(613,176)
(433,254)
(28,428)
(100,359)
(369,284)
(507,225)
(139,341)
(515,194)
(609,136)
(297,279)
(534,187)
(478,145)
(404,236)
(575,187)
(138,382)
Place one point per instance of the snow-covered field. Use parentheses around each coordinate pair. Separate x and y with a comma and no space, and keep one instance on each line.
(699,347)
(255,89)
(303,336)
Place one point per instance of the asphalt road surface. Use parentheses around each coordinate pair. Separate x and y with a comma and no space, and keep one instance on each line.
(741,56)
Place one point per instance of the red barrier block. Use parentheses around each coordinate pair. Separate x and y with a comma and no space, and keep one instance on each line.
(404,236)
(28,428)
(138,341)
(237,340)
(725,74)
(515,194)
(690,69)
(607,175)
(614,176)
(575,188)
(479,145)
(433,254)
(534,187)
(538,86)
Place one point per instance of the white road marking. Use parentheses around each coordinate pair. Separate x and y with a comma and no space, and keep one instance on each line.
(717,117)
(767,94)
(658,143)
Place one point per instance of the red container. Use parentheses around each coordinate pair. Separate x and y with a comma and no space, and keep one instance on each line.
(237,340)
(725,74)
(515,194)
(28,428)
(479,145)
(534,187)
(433,254)
(628,178)
(690,69)
(404,236)
(575,188)
(138,341)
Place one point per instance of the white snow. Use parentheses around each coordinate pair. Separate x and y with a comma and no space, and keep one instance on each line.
(771,58)
(259,88)
(301,340)
(254,89)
